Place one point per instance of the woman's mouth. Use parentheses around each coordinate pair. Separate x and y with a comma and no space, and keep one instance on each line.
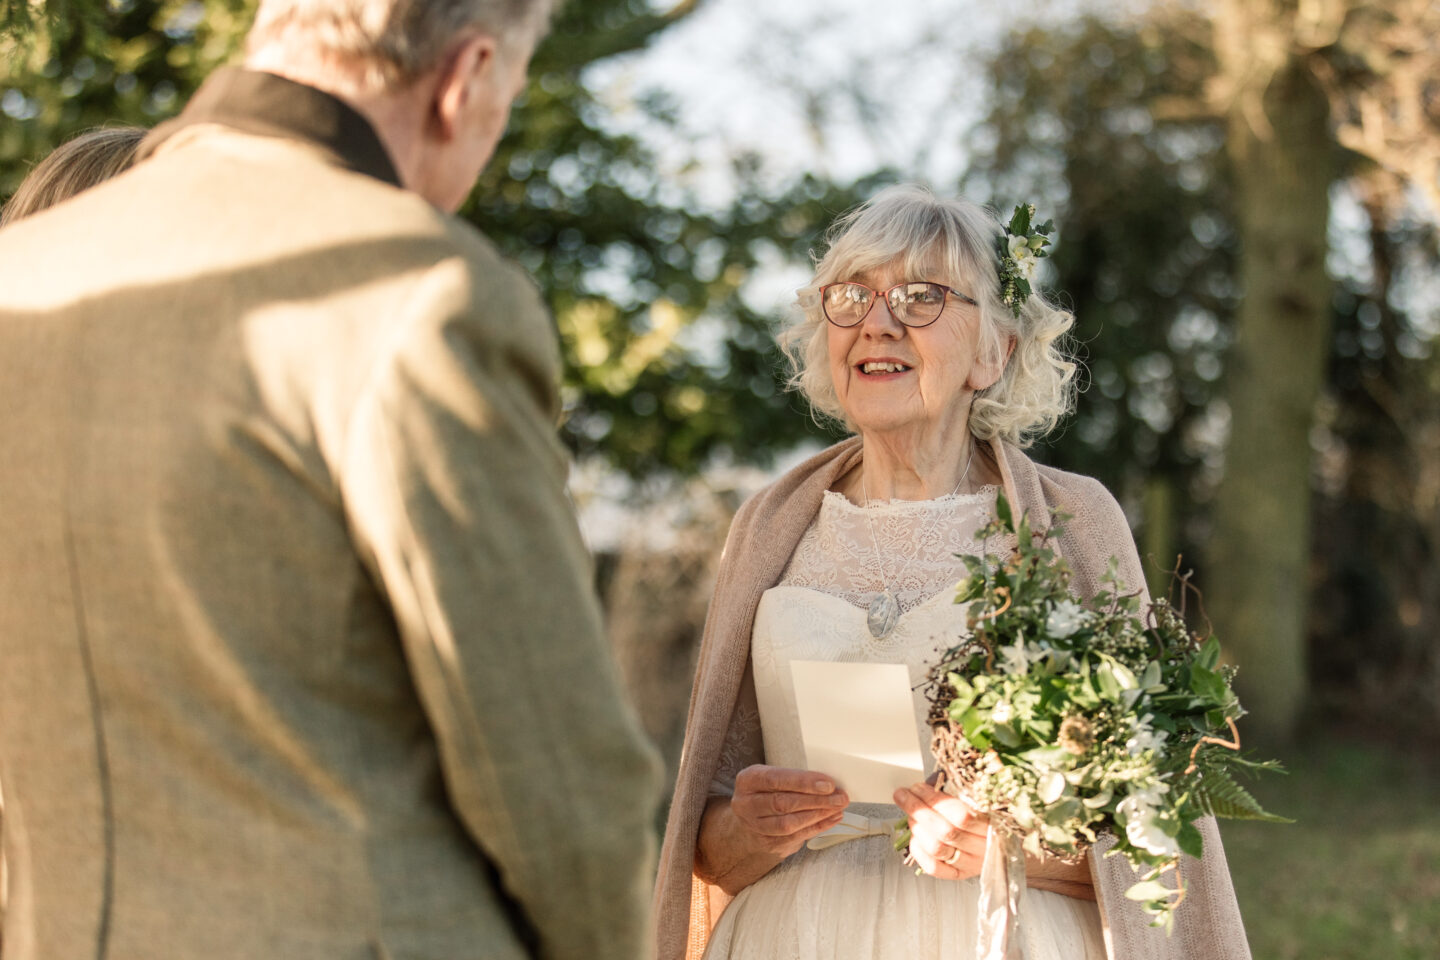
(876,368)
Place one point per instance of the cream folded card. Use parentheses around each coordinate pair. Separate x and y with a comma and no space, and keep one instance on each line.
(858,724)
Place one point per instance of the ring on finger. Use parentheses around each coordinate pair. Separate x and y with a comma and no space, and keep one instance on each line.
(954,857)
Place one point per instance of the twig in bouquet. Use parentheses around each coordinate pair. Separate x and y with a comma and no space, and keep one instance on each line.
(1180,890)
(1176,577)
(999,592)
(1186,589)
(1229,744)
(984,640)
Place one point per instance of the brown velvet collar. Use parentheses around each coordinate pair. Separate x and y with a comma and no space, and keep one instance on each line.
(272,106)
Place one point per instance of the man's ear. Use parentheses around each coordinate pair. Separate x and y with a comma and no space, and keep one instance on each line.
(470,64)
(988,369)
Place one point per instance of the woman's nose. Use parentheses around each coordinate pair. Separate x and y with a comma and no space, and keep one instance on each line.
(880,322)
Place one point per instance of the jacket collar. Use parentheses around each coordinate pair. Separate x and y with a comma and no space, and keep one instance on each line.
(272,106)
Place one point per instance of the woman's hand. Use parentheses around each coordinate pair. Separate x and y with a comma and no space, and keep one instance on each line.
(782,808)
(773,811)
(947,838)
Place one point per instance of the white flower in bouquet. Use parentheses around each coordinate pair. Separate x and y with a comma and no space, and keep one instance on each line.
(1143,812)
(1144,736)
(1066,619)
(1013,661)
(1002,712)
(1017,658)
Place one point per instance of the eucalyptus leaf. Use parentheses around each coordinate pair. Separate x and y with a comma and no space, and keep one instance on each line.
(1191,843)
(961,686)
(1109,686)
(969,589)
(1041,729)
(1056,836)
(1046,757)
(1002,510)
(1052,786)
(1209,653)
(1006,736)
(1208,684)
(970,722)
(1149,890)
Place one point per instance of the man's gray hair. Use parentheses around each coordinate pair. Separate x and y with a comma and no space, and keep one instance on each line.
(951,241)
(388,42)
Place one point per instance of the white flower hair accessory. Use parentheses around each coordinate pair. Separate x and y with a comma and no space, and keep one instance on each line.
(1021,248)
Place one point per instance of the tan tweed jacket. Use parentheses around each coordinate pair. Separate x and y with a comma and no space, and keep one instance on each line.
(762,538)
(299,655)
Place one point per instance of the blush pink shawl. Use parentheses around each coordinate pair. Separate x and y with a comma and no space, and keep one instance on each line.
(762,537)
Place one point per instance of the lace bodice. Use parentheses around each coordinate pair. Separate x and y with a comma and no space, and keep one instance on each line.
(918,543)
(854,552)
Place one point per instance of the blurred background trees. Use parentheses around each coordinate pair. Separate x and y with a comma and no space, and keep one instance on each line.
(1246,194)
(1246,191)
(1199,154)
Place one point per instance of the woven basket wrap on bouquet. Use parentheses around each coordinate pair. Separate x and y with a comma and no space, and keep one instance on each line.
(1002,872)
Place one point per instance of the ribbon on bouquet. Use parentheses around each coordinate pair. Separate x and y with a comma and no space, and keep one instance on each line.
(1002,881)
(1002,888)
(852,826)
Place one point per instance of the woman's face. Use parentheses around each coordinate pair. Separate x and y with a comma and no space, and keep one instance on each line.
(891,377)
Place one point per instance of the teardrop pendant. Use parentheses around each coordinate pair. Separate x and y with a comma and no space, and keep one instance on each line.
(882,615)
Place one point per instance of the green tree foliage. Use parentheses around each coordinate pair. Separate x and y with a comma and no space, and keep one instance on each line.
(78,64)
(1116,127)
(1146,256)
(667,366)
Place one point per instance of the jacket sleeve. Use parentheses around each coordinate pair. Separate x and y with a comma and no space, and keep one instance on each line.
(453,481)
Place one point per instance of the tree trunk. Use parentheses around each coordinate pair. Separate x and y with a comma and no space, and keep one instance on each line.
(1281,148)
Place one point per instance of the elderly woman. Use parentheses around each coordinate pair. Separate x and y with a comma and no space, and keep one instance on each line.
(907,339)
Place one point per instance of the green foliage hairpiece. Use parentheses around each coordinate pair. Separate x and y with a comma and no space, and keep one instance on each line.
(1020,248)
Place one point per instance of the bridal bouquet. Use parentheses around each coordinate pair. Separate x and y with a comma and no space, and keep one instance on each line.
(1062,720)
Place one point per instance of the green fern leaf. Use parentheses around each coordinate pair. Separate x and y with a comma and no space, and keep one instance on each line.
(1217,793)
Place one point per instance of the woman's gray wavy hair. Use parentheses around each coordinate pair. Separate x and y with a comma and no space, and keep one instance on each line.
(388,42)
(951,242)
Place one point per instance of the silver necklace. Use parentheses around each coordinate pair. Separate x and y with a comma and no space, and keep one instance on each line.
(884,611)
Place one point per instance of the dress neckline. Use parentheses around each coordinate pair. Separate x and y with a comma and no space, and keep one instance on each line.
(837,499)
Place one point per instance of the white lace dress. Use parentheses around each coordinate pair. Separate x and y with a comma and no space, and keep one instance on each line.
(856,900)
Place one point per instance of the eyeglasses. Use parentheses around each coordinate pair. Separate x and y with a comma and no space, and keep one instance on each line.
(915,303)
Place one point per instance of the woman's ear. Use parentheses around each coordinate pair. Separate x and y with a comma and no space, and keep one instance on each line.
(987,369)
(470,65)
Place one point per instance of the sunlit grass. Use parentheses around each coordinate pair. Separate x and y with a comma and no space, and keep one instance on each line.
(1358,876)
